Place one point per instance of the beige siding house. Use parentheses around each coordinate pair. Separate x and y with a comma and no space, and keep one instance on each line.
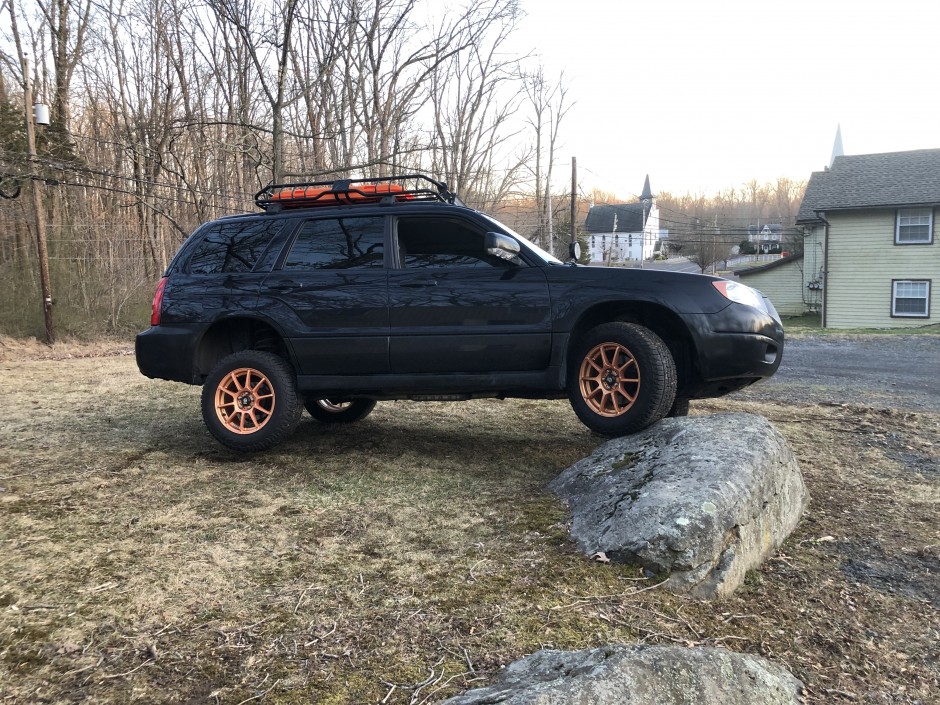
(794,283)
(874,217)
(785,283)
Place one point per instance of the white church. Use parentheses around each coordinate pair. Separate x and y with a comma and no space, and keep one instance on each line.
(625,232)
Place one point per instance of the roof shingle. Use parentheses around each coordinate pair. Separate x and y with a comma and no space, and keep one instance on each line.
(600,219)
(885,180)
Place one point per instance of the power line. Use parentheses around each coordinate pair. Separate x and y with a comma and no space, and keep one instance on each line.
(80,169)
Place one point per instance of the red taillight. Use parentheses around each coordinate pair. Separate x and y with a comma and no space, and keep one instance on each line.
(157,303)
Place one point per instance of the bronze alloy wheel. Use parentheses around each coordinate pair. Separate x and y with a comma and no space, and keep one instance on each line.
(244,401)
(609,379)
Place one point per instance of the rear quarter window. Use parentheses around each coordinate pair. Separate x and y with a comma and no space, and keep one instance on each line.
(232,246)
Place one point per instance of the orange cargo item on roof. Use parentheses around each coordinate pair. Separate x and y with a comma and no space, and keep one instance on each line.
(318,195)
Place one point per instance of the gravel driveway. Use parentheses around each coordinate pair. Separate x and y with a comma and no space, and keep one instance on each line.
(886,371)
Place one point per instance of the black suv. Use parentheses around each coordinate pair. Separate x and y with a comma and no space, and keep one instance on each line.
(341,294)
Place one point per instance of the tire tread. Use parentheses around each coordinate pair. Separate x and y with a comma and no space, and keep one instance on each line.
(659,374)
(288,406)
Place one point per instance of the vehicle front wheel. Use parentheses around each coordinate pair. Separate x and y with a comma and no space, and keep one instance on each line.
(621,379)
(250,401)
(339,411)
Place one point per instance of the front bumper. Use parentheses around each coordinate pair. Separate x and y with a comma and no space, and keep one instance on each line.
(736,347)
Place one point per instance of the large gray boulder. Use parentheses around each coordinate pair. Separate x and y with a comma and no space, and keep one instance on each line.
(639,675)
(702,499)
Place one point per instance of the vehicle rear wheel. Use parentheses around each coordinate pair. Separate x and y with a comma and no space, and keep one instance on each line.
(339,411)
(250,401)
(621,379)
(680,407)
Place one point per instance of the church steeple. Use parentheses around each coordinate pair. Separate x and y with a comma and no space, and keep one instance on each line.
(646,198)
(837,150)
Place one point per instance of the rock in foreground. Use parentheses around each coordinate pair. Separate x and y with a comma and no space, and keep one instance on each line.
(639,675)
(702,499)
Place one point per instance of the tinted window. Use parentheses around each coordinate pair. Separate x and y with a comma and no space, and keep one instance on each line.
(431,243)
(232,247)
(338,243)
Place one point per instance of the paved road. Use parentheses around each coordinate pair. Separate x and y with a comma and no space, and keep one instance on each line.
(886,371)
(674,264)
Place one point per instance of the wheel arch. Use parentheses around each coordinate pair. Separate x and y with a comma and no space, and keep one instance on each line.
(661,320)
(233,334)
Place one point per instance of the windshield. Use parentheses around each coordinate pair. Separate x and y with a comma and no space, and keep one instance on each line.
(531,247)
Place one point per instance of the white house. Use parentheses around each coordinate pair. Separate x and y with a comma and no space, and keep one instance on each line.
(766,237)
(624,232)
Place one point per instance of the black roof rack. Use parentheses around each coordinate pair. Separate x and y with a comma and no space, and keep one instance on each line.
(385,189)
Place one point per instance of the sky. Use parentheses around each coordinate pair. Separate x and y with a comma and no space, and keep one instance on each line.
(706,95)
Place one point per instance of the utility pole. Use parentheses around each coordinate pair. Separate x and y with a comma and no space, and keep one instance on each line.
(574,196)
(550,225)
(36,185)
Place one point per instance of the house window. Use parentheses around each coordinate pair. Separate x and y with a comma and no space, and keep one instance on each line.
(910,299)
(915,226)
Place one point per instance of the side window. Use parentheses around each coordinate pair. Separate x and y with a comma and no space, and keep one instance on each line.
(233,246)
(910,298)
(914,226)
(428,243)
(338,243)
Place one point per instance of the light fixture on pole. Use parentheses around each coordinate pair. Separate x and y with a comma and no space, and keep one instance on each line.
(41,114)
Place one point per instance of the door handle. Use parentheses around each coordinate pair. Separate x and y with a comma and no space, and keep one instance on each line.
(418,285)
(285,287)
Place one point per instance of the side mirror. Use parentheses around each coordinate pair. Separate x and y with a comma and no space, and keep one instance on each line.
(501,246)
(574,250)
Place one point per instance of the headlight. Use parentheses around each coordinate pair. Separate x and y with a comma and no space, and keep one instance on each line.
(739,293)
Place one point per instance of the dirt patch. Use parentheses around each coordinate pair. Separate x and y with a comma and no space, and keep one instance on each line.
(410,556)
(913,573)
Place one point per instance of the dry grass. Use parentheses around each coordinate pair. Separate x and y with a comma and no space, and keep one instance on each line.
(408,557)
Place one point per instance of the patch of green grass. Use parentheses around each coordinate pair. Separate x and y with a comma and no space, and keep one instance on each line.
(808,323)
(918,330)
(812,324)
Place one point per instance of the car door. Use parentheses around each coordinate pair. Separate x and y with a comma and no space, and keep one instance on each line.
(453,308)
(332,288)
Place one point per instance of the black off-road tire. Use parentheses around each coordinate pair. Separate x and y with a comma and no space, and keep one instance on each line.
(343,411)
(250,401)
(680,407)
(621,379)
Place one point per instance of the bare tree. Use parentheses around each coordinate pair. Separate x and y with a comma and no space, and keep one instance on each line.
(398,63)
(68,22)
(548,106)
(265,30)
(473,116)
(787,197)
(705,245)
(757,195)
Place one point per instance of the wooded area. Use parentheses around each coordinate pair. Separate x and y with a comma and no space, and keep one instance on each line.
(167,113)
